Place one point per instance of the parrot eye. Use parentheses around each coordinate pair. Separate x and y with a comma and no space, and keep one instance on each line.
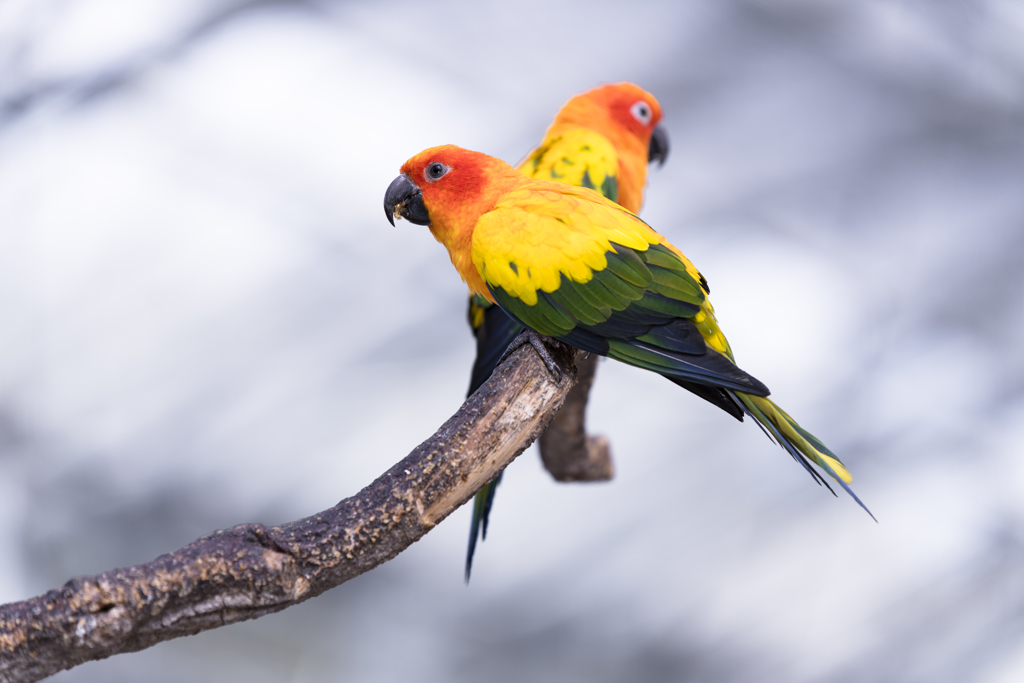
(641,111)
(436,170)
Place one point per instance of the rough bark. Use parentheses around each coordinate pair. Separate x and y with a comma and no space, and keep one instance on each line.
(569,454)
(252,570)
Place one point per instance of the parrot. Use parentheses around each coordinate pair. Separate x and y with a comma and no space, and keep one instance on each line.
(602,139)
(566,262)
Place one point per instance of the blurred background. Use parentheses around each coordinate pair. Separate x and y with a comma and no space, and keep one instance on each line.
(206,320)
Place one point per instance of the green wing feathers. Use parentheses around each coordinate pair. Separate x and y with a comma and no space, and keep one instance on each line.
(642,309)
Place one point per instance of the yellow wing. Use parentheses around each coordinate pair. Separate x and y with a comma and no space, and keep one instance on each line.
(578,157)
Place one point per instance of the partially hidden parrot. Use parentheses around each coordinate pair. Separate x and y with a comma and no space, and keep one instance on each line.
(568,263)
(602,139)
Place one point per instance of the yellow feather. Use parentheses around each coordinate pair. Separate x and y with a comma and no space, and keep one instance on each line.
(567,157)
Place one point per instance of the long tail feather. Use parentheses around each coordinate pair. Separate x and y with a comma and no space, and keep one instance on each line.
(481,514)
(494,331)
(493,335)
(798,442)
(773,434)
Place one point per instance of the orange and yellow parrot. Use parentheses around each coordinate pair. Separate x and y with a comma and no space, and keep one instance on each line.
(568,263)
(602,139)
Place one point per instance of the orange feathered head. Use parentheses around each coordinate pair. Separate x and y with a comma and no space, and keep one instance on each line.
(625,113)
(444,183)
(448,188)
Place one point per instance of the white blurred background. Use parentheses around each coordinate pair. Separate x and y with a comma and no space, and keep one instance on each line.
(205,320)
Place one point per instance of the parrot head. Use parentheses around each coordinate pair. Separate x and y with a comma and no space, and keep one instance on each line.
(445,182)
(448,188)
(624,113)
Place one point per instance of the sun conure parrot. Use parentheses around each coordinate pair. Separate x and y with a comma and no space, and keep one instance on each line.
(601,139)
(567,263)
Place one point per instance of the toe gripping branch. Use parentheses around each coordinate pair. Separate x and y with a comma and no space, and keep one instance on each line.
(540,344)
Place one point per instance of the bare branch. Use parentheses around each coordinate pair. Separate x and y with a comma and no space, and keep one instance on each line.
(568,453)
(252,570)
(88,87)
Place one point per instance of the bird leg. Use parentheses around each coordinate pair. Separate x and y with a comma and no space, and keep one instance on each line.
(539,343)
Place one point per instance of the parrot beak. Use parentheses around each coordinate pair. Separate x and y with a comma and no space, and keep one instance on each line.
(405,200)
(658,151)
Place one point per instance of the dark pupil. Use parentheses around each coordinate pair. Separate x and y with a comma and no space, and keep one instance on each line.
(436,170)
(643,112)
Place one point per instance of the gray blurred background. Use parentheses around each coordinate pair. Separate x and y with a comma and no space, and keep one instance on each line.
(206,320)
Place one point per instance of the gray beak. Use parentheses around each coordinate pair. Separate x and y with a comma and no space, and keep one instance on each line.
(404,199)
(658,150)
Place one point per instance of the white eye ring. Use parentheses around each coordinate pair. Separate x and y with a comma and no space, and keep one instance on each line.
(642,112)
(435,170)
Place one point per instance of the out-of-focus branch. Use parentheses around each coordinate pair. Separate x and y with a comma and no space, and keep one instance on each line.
(92,85)
(252,570)
(569,454)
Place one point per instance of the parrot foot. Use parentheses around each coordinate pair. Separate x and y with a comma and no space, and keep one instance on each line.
(539,343)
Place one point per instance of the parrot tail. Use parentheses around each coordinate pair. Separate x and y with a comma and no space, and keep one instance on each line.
(494,331)
(797,441)
(481,513)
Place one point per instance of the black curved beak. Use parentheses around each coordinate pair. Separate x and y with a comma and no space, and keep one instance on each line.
(405,200)
(658,150)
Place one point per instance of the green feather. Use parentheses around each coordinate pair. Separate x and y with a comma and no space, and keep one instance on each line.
(610,188)
(571,300)
(680,336)
(617,286)
(556,311)
(587,181)
(591,295)
(658,255)
(545,316)
(627,265)
(625,352)
(597,289)
(667,307)
(676,285)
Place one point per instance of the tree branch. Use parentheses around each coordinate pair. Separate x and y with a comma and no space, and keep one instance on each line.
(251,570)
(568,453)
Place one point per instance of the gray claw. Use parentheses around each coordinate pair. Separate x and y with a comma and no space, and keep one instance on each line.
(539,343)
